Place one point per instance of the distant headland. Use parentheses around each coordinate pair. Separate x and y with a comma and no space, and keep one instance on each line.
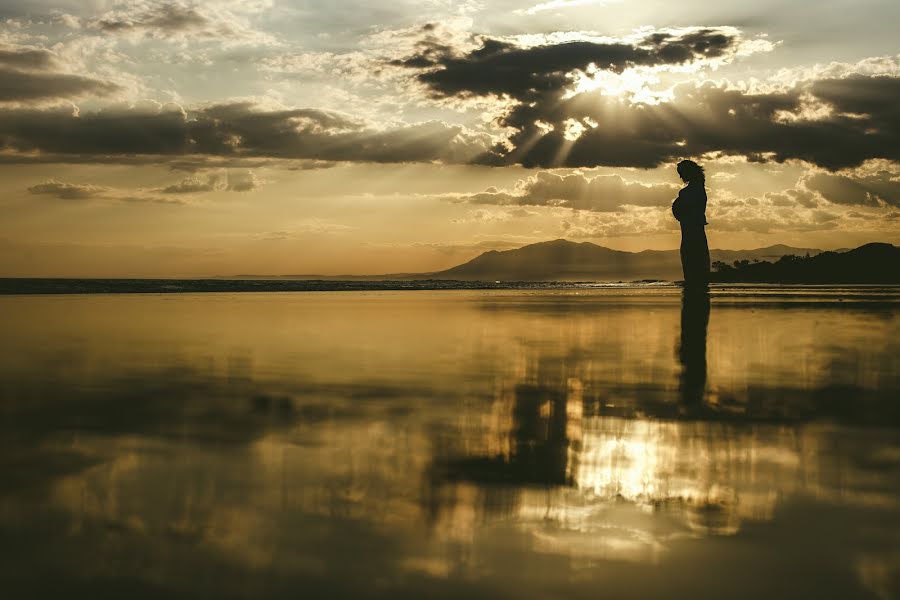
(872,263)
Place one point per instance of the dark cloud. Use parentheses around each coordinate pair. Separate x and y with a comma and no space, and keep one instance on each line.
(702,43)
(603,193)
(18,86)
(108,132)
(833,123)
(232,130)
(26,57)
(28,73)
(504,69)
(710,118)
(190,164)
(874,99)
(700,119)
(429,50)
(874,189)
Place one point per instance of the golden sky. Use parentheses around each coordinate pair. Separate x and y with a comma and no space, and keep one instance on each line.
(173,138)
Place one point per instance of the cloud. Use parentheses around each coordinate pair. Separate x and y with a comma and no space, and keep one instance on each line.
(586,102)
(34,74)
(610,206)
(187,163)
(796,209)
(582,225)
(86,192)
(242,182)
(181,21)
(70,21)
(603,193)
(192,185)
(229,181)
(68,191)
(793,197)
(875,189)
(26,57)
(18,86)
(558,4)
(237,130)
(483,216)
(164,18)
(304,227)
(735,215)
(552,116)
(147,199)
(321,227)
(471,248)
(862,123)
(584,130)
(504,68)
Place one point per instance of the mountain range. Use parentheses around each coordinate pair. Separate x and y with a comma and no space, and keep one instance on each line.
(563,260)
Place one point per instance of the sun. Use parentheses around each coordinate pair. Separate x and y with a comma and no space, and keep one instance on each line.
(634,84)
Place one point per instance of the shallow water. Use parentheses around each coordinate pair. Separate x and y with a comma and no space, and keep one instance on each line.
(609,443)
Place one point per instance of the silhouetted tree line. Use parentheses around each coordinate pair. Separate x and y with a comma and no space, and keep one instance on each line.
(871,263)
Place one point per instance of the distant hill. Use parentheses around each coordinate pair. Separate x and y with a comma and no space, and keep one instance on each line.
(871,263)
(561,260)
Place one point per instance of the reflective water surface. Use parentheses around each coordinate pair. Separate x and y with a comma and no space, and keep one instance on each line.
(501,444)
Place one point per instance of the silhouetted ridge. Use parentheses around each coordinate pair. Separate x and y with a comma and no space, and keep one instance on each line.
(871,263)
(559,259)
(562,260)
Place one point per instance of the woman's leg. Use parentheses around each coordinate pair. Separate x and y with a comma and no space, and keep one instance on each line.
(695,258)
(702,259)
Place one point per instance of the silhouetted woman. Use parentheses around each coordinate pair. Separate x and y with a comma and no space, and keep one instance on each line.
(690,210)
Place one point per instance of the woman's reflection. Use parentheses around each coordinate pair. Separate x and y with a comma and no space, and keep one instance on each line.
(692,347)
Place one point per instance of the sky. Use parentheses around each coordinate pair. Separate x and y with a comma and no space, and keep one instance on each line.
(181,139)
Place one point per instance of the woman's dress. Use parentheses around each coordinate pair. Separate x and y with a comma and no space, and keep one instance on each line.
(690,210)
